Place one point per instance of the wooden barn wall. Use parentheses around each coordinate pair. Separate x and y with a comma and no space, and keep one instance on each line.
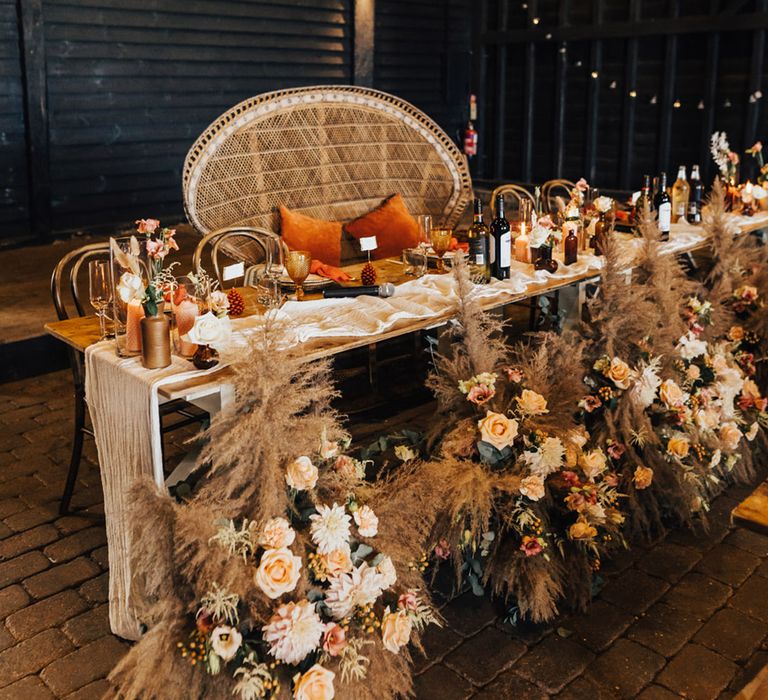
(545,115)
(100,99)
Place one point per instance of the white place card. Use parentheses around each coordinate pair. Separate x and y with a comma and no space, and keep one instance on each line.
(368,243)
(232,271)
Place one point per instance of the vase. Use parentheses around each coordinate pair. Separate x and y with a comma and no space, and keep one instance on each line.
(155,341)
(544,259)
(129,267)
(186,308)
(205,357)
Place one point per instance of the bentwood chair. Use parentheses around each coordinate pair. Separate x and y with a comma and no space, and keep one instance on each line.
(65,284)
(267,246)
(516,192)
(554,188)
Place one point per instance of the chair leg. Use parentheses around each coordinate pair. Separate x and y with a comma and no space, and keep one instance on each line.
(77,452)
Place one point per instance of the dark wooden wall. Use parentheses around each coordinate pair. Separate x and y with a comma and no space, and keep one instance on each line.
(547,116)
(100,99)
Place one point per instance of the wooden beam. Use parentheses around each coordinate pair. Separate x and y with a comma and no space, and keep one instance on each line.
(629,104)
(479,77)
(363,42)
(710,96)
(757,66)
(34,83)
(667,95)
(500,91)
(696,24)
(561,83)
(593,95)
(529,95)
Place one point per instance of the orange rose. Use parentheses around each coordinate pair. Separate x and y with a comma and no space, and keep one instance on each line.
(678,446)
(671,394)
(395,630)
(278,572)
(619,373)
(643,477)
(337,562)
(315,684)
(498,430)
(736,333)
(582,530)
(531,403)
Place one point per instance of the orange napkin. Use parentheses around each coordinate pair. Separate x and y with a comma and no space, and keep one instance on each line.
(332,273)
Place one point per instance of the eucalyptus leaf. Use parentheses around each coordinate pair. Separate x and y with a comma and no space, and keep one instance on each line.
(477,588)
(362,551)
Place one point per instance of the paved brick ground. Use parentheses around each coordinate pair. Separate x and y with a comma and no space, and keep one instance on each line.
(686,617)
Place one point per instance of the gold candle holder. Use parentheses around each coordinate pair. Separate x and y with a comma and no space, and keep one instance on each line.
(155,342)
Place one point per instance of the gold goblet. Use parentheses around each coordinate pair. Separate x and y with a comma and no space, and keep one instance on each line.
(441,241)
(297,264)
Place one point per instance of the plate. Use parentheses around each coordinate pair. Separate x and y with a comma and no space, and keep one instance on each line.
(311,283)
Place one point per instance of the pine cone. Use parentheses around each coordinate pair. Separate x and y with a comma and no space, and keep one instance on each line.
(368,275)
(236,302)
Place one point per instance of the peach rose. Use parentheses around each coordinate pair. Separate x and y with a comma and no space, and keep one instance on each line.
(498,430)
(693,372)
(592,463)
(337,562)
(366,521)
(643,477)
(582,530)
(736,333)
(619,373)
(346,466)
(277,534)
(395,630)
(531,403)
(301,474)
(671,394)
(334,639)
(278,572)
(730,436)
(532,487)
(678,446)
(707,419)
(315,684)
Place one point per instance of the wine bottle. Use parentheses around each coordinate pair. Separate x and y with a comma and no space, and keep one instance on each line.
(697,193)
(501,242)
(478,236)
(681,192)
(663,205)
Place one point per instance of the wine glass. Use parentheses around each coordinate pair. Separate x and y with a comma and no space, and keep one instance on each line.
(100,291)
(441,241)
(297,264)
(425,230)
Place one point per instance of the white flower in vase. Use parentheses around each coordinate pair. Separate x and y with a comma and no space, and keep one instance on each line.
(130,288)
(603,204)
(209,329)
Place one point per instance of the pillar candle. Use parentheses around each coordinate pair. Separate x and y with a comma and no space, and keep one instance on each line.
(522,251)
(186,313)
(135,313)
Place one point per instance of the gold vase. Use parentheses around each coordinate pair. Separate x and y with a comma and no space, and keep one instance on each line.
(155,342)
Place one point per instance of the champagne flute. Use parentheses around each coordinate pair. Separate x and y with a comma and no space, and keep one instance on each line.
(297,264)
(425,230)
(441,241)
(100,291)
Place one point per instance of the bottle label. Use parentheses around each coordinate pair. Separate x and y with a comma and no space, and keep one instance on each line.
(665,216)
(505,256)
(680,209)
(477,250)
(492,249)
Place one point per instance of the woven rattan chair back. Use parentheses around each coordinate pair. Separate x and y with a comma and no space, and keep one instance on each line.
(331,152)
(510,191)
(268,248)
(66,279)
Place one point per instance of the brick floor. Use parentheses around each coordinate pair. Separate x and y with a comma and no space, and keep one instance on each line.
(686,617)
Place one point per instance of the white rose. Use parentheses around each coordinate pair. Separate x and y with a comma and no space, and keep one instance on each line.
(130,287)
(366,521)
(603,204)
(209,329)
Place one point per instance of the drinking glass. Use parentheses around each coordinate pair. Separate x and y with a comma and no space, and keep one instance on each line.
(425,230)
(297,264)
(441,241)
(414,262)
(100,291)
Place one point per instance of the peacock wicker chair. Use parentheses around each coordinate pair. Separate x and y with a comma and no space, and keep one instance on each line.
(331,152)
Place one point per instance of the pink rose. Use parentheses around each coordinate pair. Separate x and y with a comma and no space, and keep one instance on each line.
(616,450)
(442,549)
(334,639)
(408,601)
(480,393)
(146,225)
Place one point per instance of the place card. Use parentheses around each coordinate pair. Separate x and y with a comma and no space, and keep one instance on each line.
(232,271)
(368,243)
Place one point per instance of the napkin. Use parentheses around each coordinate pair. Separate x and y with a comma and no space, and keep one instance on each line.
(324,270)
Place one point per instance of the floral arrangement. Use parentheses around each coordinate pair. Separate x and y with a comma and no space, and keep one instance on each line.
(544,233)
(756,151)
(726,159)
(603,204)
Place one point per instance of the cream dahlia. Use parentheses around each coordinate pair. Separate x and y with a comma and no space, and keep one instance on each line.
(293,632)
(358,587)
(330,528)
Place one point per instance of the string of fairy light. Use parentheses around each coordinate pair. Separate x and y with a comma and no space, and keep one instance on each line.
(632,92)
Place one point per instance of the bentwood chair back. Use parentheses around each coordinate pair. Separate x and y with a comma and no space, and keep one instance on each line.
(552,189)
(66,282)
(515,192)
(330,152)
(267,246)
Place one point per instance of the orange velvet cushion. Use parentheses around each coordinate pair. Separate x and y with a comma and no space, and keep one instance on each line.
(391,223)
(321,238)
